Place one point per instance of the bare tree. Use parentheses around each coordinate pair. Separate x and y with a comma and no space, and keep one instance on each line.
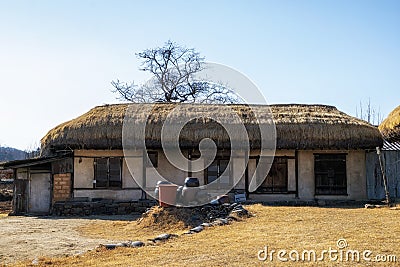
(33,150)
(174,68)
(369,113)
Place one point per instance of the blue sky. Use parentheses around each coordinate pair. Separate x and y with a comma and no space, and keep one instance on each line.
(57,58)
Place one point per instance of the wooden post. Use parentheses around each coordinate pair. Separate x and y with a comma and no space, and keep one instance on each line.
(378,151)
(14,200)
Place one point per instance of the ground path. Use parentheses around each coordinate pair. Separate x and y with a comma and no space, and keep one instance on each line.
(31,237)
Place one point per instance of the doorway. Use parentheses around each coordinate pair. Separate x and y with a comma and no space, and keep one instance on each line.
(39,194)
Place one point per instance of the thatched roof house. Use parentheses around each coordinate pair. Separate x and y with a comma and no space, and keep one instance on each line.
(297,127)
(320,155)
(390,127)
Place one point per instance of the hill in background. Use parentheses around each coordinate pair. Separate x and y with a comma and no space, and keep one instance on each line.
(9,153)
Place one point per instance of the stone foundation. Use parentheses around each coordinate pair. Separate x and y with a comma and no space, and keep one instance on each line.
(101,207)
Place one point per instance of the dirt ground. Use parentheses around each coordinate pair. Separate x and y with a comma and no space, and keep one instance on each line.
(24,238)
(278,228)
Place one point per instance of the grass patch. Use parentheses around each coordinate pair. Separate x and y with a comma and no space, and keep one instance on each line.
(237,244)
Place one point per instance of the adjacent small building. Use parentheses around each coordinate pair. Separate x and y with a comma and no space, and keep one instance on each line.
(390,129)
(320,154)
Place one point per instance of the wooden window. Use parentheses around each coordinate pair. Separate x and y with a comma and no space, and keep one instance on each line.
(214,173)
(152,160)
(277,178)
(107,172)
(330,174)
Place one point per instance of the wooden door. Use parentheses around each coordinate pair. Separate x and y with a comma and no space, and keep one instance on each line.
(20,203)
(39,195)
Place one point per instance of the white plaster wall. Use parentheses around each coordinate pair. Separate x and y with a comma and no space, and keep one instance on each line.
(251,166)
(83,172)
(356,175)
(133,174)
(355,170)
(84,169)
(306,175)
(199,175)
(239,168)
(164,169)
(152,177)
(291,175)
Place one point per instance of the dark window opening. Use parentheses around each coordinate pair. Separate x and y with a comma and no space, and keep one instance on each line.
(215,173)
(277,178)
(330,174)
(152,160)
(107,173)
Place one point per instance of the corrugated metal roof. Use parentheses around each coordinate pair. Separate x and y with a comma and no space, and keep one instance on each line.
(392,146)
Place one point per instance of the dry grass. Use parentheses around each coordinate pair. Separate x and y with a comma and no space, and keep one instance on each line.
(142,229)
(390,127)
(277,227)
(157,221)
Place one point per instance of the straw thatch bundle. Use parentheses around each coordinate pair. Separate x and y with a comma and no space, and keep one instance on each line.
(297,127)
(390,127)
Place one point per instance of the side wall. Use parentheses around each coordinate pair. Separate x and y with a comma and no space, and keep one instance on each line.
(291,178)
(164,169)
(84,175)
(355,171)
(391,164)
(134,168)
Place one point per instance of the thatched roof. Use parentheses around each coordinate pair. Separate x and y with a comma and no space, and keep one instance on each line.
(297,127)
(390,127)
